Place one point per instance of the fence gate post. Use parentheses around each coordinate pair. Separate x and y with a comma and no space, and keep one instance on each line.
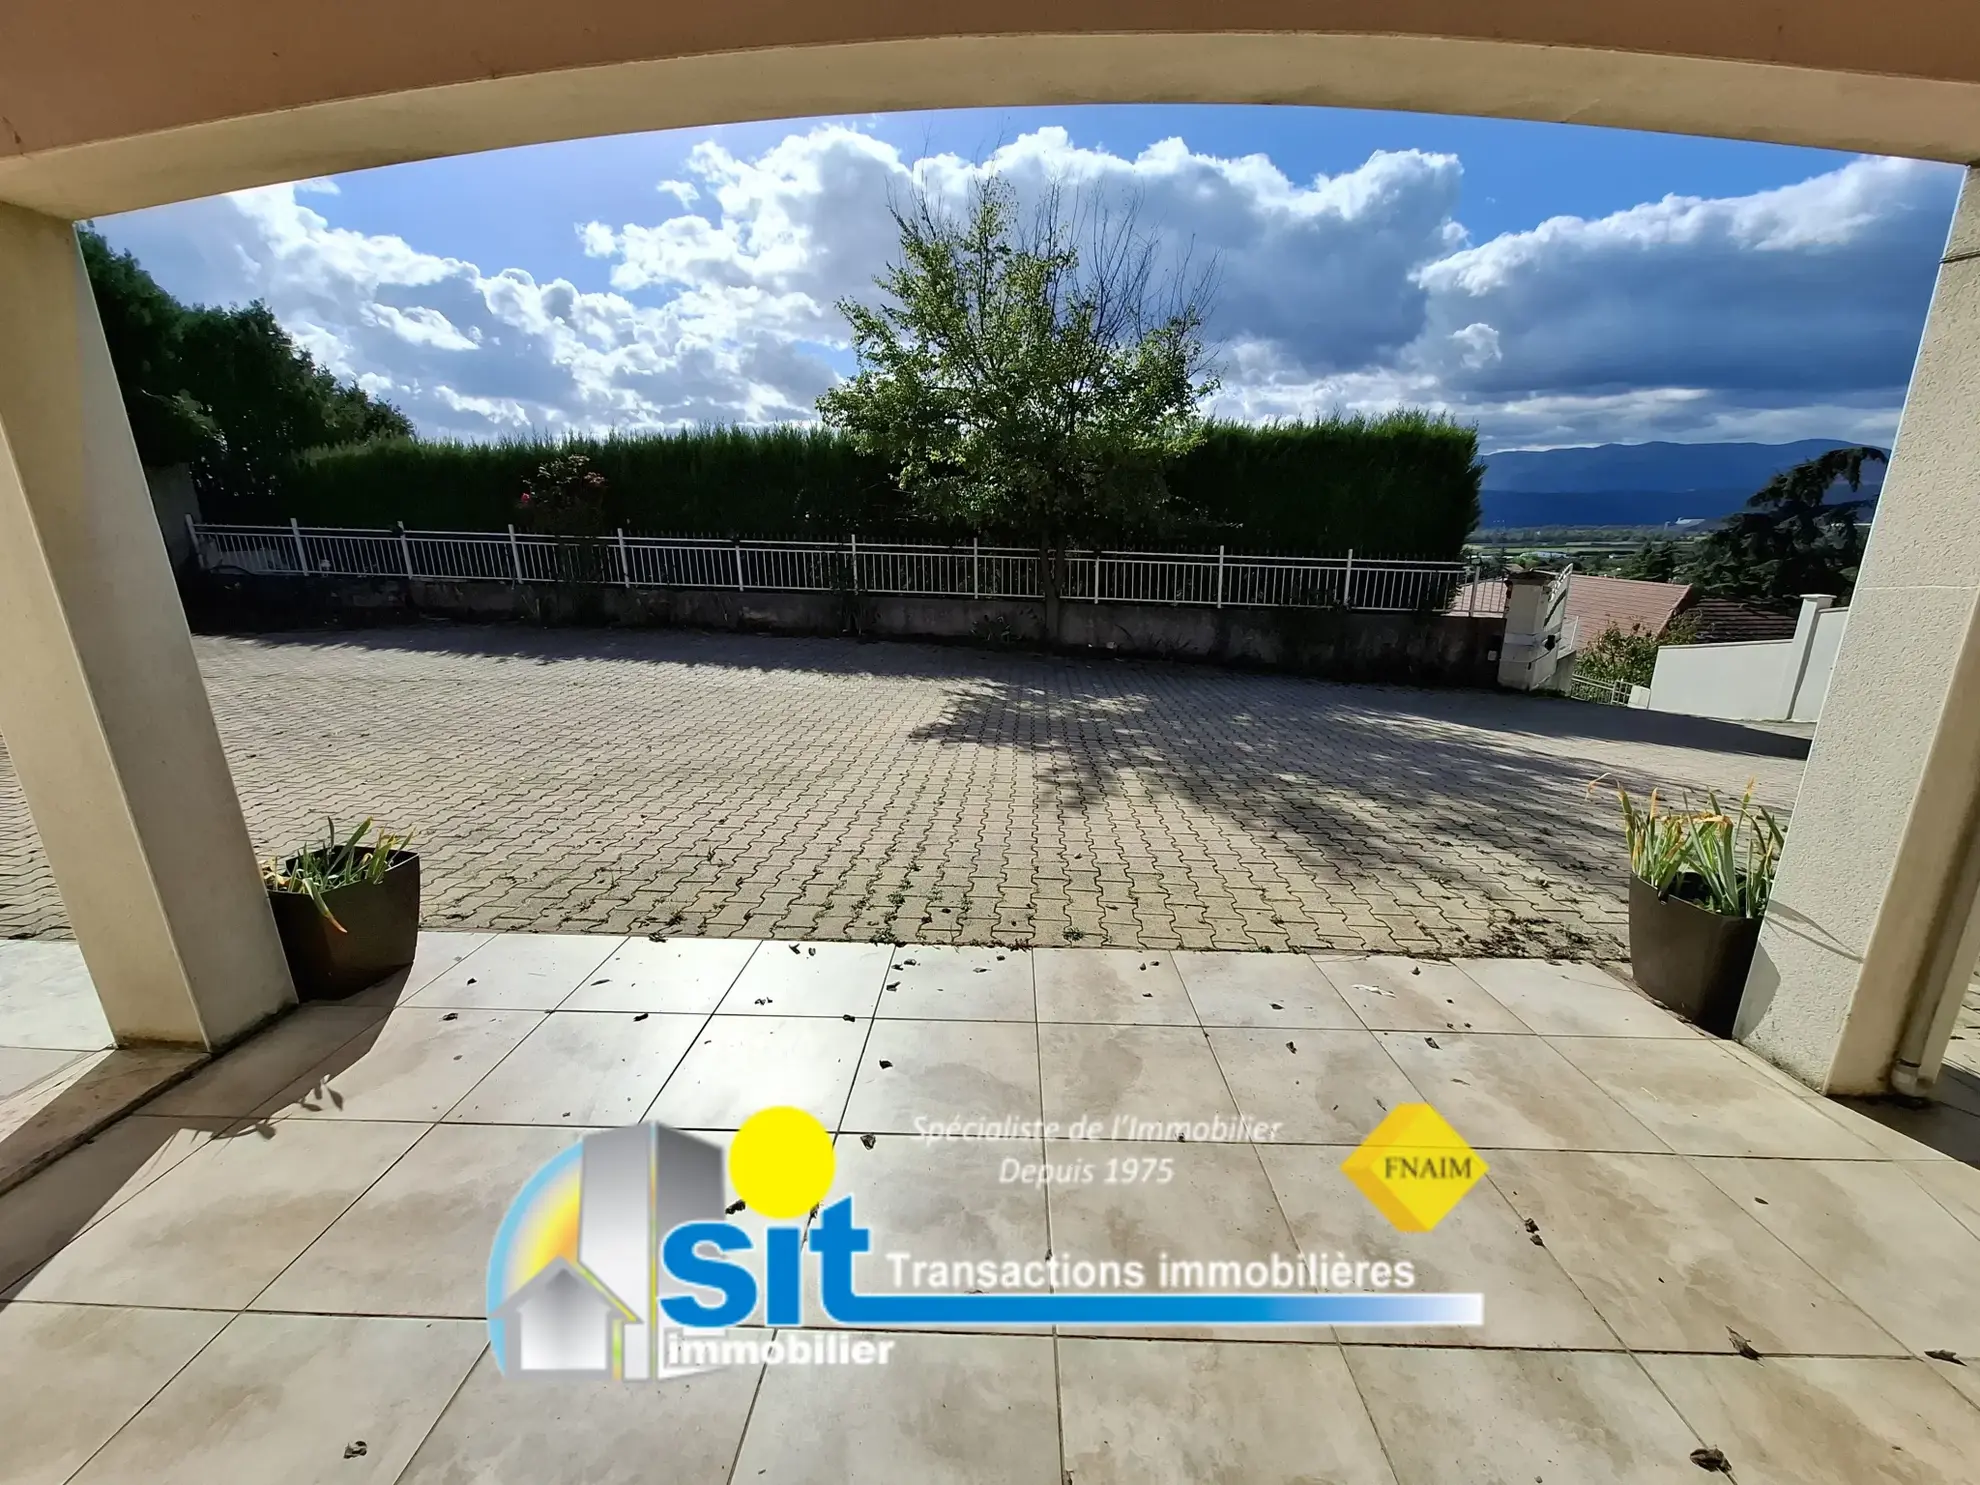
(405,551)
(738,549)
(625,567)
(976,567)
(1347,582)
(855,561)
(515,551)
(1220,575)
(302,555)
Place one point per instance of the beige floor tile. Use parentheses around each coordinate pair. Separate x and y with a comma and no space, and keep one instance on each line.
(740,1064)
(214,1230)
(583,1067)
(939,1201)
(416,1243)
(51,1116)
(1481,1247)
(1261,990)
(1183,1412)
(945,1410)
(959,981)
(1120,986)
(437,952)
(1215,1204)
(1513,1092)
(287,1397)
(22,1067)
(1392,993)
(823,979)
(77,1373)
(244,1079)
(944,1070)
(1850,1220)
(498,1432)
(1701,1100)
(1674,1264)
(1313,1087)
(680,975)
(418,1063)
(1571,999)
(1954,1184)
(46,1210)
(1934,1132)
(1118,1080)
(519,972)
(1506,1417)
(1825,1420)
(48,1000)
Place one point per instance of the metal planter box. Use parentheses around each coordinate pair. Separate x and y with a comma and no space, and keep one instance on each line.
(381,932)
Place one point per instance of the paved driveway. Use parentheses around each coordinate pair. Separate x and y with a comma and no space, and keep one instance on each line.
(750,786)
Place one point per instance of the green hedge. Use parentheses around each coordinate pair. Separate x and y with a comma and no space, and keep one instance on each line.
(1405,485)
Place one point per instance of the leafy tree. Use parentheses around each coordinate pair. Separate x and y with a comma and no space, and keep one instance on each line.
(1791,538)
(1654,562)
(1618,654)
(224,390)
(1014,382)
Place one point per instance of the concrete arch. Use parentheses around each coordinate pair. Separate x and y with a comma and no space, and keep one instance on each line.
(118,104)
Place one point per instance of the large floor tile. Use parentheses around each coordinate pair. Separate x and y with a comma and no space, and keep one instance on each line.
(1392,993)
(1933,1132)
(42,1213)
(244,1079)
(937,1071)
(216,1228)
(681,975)
(77,1373)
(1874,1233)
(498,1432)
(740,1064)
(1110,985)
(959,981)
(416,1242)
(1508,1417)
(824,979)
(1311,1087)
(945,1410)
(1571,999)
(1205,1203)
(519,972)
(583,1067)
(1183,1412)
(1123,1081)
(1514,1092)
(437,952)
(941,1201)
(288,1398)
(48,1000)
(415,1065)
(1261,990)
(40,1122)
(22,1067)
(1701,1100)
(1825,1420)
(1955,1185)
(1674,1264)
(1481,1247)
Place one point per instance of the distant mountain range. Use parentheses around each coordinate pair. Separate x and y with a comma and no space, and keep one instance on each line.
(1639,484)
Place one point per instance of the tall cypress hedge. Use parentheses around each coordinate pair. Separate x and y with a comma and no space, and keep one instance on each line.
(1404,485)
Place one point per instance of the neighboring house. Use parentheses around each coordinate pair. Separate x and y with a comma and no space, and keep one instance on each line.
(1594,603)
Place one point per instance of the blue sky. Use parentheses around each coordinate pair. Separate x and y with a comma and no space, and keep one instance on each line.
(1554,284)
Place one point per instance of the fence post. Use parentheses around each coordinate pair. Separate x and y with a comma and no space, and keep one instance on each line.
(302,555)
(405,551)
(625,567)
(192,535)
(1471,588)
(1347,582)
(1220,575)
(738,550)
(976,567)
(515,551)
(855,562)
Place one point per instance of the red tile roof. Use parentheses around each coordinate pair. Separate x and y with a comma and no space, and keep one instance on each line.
(1626,603)
(1728,621)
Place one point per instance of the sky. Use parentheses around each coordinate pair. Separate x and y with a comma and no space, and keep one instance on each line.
(1556,285)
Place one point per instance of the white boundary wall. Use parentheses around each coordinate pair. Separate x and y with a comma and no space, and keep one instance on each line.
(1765,681)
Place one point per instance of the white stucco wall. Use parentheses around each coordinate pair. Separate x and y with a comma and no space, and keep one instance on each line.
(1829,627)
(1738,681)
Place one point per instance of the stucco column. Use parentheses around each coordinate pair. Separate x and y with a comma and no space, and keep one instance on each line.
(101,704)
(1868,930)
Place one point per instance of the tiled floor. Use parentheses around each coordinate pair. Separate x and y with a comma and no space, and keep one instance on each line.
(273,1271)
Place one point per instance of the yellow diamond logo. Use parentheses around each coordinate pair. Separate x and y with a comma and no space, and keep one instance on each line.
(1414,1167)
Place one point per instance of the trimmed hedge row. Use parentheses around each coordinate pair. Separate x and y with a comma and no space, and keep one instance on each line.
(1404,485)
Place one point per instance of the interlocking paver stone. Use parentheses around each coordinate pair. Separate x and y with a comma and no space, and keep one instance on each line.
(730,785)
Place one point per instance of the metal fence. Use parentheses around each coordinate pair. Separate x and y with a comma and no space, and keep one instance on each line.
(1218,579)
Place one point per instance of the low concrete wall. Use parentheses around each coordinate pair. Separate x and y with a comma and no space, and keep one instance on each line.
(1774,680)
(1392,648)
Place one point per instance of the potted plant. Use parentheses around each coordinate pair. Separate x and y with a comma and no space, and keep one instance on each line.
(347,911)
(1698,884)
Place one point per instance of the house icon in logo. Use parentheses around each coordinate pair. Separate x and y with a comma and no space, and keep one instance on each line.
(593,1313)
